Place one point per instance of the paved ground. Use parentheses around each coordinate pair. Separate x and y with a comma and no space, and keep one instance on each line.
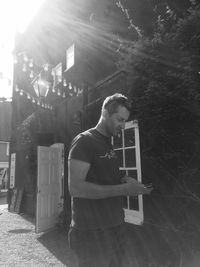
(154,244)
(20,246)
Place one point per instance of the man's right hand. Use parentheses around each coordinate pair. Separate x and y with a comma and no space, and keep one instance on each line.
(136,188)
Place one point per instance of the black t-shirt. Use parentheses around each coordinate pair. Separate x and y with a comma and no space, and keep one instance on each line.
(96,149)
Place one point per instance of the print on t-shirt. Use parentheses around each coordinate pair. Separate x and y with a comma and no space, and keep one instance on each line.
(111,154)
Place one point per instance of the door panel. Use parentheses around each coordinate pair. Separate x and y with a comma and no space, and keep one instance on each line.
(48,188)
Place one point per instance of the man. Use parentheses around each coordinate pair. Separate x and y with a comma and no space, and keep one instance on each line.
(97,233)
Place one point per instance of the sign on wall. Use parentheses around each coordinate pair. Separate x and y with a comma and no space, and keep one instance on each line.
(3,178)
(12,170)
(70,61)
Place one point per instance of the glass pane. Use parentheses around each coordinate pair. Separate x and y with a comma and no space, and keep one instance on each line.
(117,141)
(125,202)
(122,173)
(129,137)
(119,157)
(134,203)
(130,159)
(132,173)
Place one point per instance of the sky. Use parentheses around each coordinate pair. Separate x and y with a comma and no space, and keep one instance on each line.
(15,16)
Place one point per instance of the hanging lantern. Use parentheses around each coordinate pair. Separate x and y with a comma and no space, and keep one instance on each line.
(70,86)
(46,67)
(75,91)
(31,63)
(16,88)
(41,87)
(24,69)
(79,91)
(64,83)
(58,93)
(31,75)
(25,58)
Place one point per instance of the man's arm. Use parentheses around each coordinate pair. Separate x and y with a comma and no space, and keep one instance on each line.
(79,187)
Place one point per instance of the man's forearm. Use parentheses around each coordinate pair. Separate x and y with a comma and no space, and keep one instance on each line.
(94,191)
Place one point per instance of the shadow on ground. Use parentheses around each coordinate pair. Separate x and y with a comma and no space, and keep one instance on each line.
(56,242)
(20,231)
(28,218)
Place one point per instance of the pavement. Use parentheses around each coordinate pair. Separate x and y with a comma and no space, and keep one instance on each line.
(20,246)
(153,245)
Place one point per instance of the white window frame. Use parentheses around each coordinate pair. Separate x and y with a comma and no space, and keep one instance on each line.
(132,216)
(7,147)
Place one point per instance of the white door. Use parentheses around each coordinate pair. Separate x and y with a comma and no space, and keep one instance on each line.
(48,187)
(60,147)
(127,147)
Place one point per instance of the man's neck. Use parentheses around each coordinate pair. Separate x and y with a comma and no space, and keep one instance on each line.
(100,127)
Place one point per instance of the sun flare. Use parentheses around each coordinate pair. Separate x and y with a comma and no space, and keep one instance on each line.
(15,16)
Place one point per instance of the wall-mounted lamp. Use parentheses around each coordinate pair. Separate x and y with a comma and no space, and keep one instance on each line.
(41,87)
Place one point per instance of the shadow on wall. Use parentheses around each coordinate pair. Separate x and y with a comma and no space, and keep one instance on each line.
(3,198)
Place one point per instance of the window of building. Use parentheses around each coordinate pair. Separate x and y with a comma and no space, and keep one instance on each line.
(4,150)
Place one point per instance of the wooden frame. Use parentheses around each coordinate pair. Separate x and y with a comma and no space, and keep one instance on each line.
(127,146)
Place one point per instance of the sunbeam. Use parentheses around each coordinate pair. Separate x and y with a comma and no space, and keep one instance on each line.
(15,16)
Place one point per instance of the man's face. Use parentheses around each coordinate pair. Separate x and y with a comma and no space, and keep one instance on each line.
(116,122)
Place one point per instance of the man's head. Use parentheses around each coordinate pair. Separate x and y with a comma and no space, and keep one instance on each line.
(115,112)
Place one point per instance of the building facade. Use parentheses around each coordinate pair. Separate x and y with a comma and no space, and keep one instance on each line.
(76,60)
(5,135)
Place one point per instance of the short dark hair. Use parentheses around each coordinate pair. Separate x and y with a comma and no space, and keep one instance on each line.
(111,103)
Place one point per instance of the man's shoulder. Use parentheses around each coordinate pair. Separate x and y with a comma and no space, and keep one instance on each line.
(82,146)
(84,136)
(89,132)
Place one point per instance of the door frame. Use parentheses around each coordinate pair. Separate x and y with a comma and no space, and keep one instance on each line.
(131,215)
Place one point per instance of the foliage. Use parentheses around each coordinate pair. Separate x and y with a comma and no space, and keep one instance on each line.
(142,15)
(38,122)
(163,80)
(27,136)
